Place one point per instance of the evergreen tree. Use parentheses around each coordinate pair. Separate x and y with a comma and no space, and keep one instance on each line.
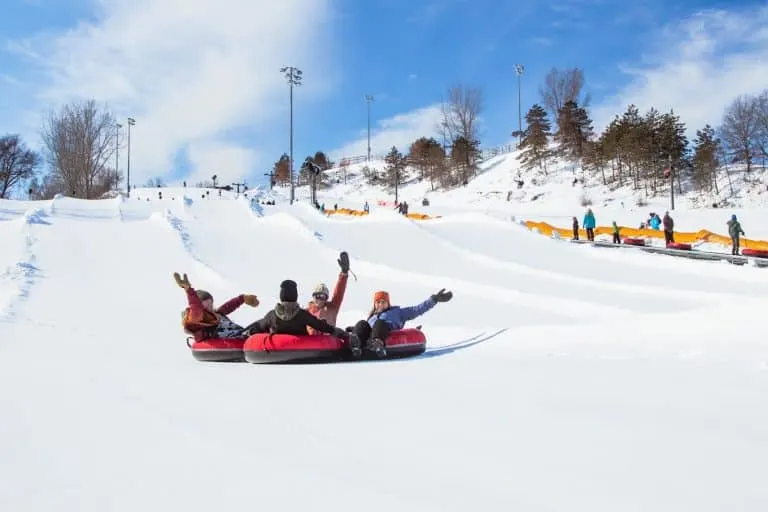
(534,145)
(705,158)
(395,165)
(575,129)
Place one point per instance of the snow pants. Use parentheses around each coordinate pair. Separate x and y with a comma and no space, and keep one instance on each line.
(669,236)
(365,332)
(735,245)
(590,234)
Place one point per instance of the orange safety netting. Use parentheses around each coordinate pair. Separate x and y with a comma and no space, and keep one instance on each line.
(358,213)
(682,237)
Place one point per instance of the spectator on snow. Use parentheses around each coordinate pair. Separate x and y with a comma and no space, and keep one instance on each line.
(616,238)
(735,231)
(385,318)
(669,227)
(320,306)
(366,208)
(589,224)
(575,228)
(654,222)
(288,317)
(203,321)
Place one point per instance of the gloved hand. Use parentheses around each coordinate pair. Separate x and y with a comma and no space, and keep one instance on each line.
(344,262)
(340,333)
(183,283)
(251,300)
(442,296)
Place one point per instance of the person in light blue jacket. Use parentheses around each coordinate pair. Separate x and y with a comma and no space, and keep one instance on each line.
(655,222)
(589,224)
(385,318)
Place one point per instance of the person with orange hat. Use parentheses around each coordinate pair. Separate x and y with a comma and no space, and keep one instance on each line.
(385,318)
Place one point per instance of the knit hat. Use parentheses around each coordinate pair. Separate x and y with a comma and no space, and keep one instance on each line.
(321,289)
(203,295)
(381,295)
(288,291)
(733,217)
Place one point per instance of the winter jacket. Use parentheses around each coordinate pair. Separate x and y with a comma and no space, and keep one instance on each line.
(615,228)
(589,221)
(396,316)
(290,318)
(203,324)
(669,224)
(734,229)
(330,311)
(655,222)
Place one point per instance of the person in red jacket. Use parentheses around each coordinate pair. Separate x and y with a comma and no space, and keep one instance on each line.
(203,321)
(320,306)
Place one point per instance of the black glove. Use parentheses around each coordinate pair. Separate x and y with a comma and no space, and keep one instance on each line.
(442,296)
(344,262)
(340,333)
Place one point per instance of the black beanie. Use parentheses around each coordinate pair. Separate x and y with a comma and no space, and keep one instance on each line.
(288,291)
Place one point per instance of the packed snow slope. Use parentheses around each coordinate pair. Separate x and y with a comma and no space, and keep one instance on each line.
(553,197)
(559,377)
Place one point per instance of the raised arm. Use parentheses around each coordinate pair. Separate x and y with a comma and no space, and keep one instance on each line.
(339,290)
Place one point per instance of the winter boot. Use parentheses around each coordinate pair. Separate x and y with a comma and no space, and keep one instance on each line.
(377,347)
(355,346)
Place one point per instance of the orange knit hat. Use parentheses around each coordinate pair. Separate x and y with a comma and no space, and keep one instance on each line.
(381,295)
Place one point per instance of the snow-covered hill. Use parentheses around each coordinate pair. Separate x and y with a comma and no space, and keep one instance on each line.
(560,377)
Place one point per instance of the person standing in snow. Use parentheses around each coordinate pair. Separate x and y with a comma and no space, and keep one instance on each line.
(616,238)
(735,232)
(320,306)
(669,227)
(385,318)
(589,224)
(575,228)
(203,321)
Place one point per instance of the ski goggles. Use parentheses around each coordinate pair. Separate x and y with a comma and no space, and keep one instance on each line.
(320,296)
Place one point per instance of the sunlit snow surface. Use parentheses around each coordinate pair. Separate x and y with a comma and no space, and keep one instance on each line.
(559,378)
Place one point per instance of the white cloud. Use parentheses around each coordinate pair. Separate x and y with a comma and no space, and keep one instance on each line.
(228,162)
(702,65)
(400,131)
(188,71)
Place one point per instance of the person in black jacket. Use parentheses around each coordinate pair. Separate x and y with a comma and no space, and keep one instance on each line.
(289,318)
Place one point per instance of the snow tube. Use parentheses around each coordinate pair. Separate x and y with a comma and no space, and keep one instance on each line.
(289,348)
(634,241)
(406,343)
(217,350)
(682,247)
(754,252)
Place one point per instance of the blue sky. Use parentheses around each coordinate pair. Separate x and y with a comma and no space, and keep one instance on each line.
(202,76)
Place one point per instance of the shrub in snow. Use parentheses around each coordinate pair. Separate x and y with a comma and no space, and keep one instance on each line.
(585,200)
(641,201)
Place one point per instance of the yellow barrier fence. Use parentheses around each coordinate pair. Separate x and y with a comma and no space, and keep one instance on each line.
(359,213)
(680,236)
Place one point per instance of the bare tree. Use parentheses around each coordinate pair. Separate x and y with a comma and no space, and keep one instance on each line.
(79,142)
(461,111)
(560,87)
(17,163)
(740,127)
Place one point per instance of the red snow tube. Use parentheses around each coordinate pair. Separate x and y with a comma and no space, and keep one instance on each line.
(754,252)
(405,343)
(634,241)
(289,348)
(218,350)
(682,247)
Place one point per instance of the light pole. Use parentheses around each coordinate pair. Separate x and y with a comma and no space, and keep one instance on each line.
(519,70)
(131,122)
(293,75)
(368,100)
(117,153)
